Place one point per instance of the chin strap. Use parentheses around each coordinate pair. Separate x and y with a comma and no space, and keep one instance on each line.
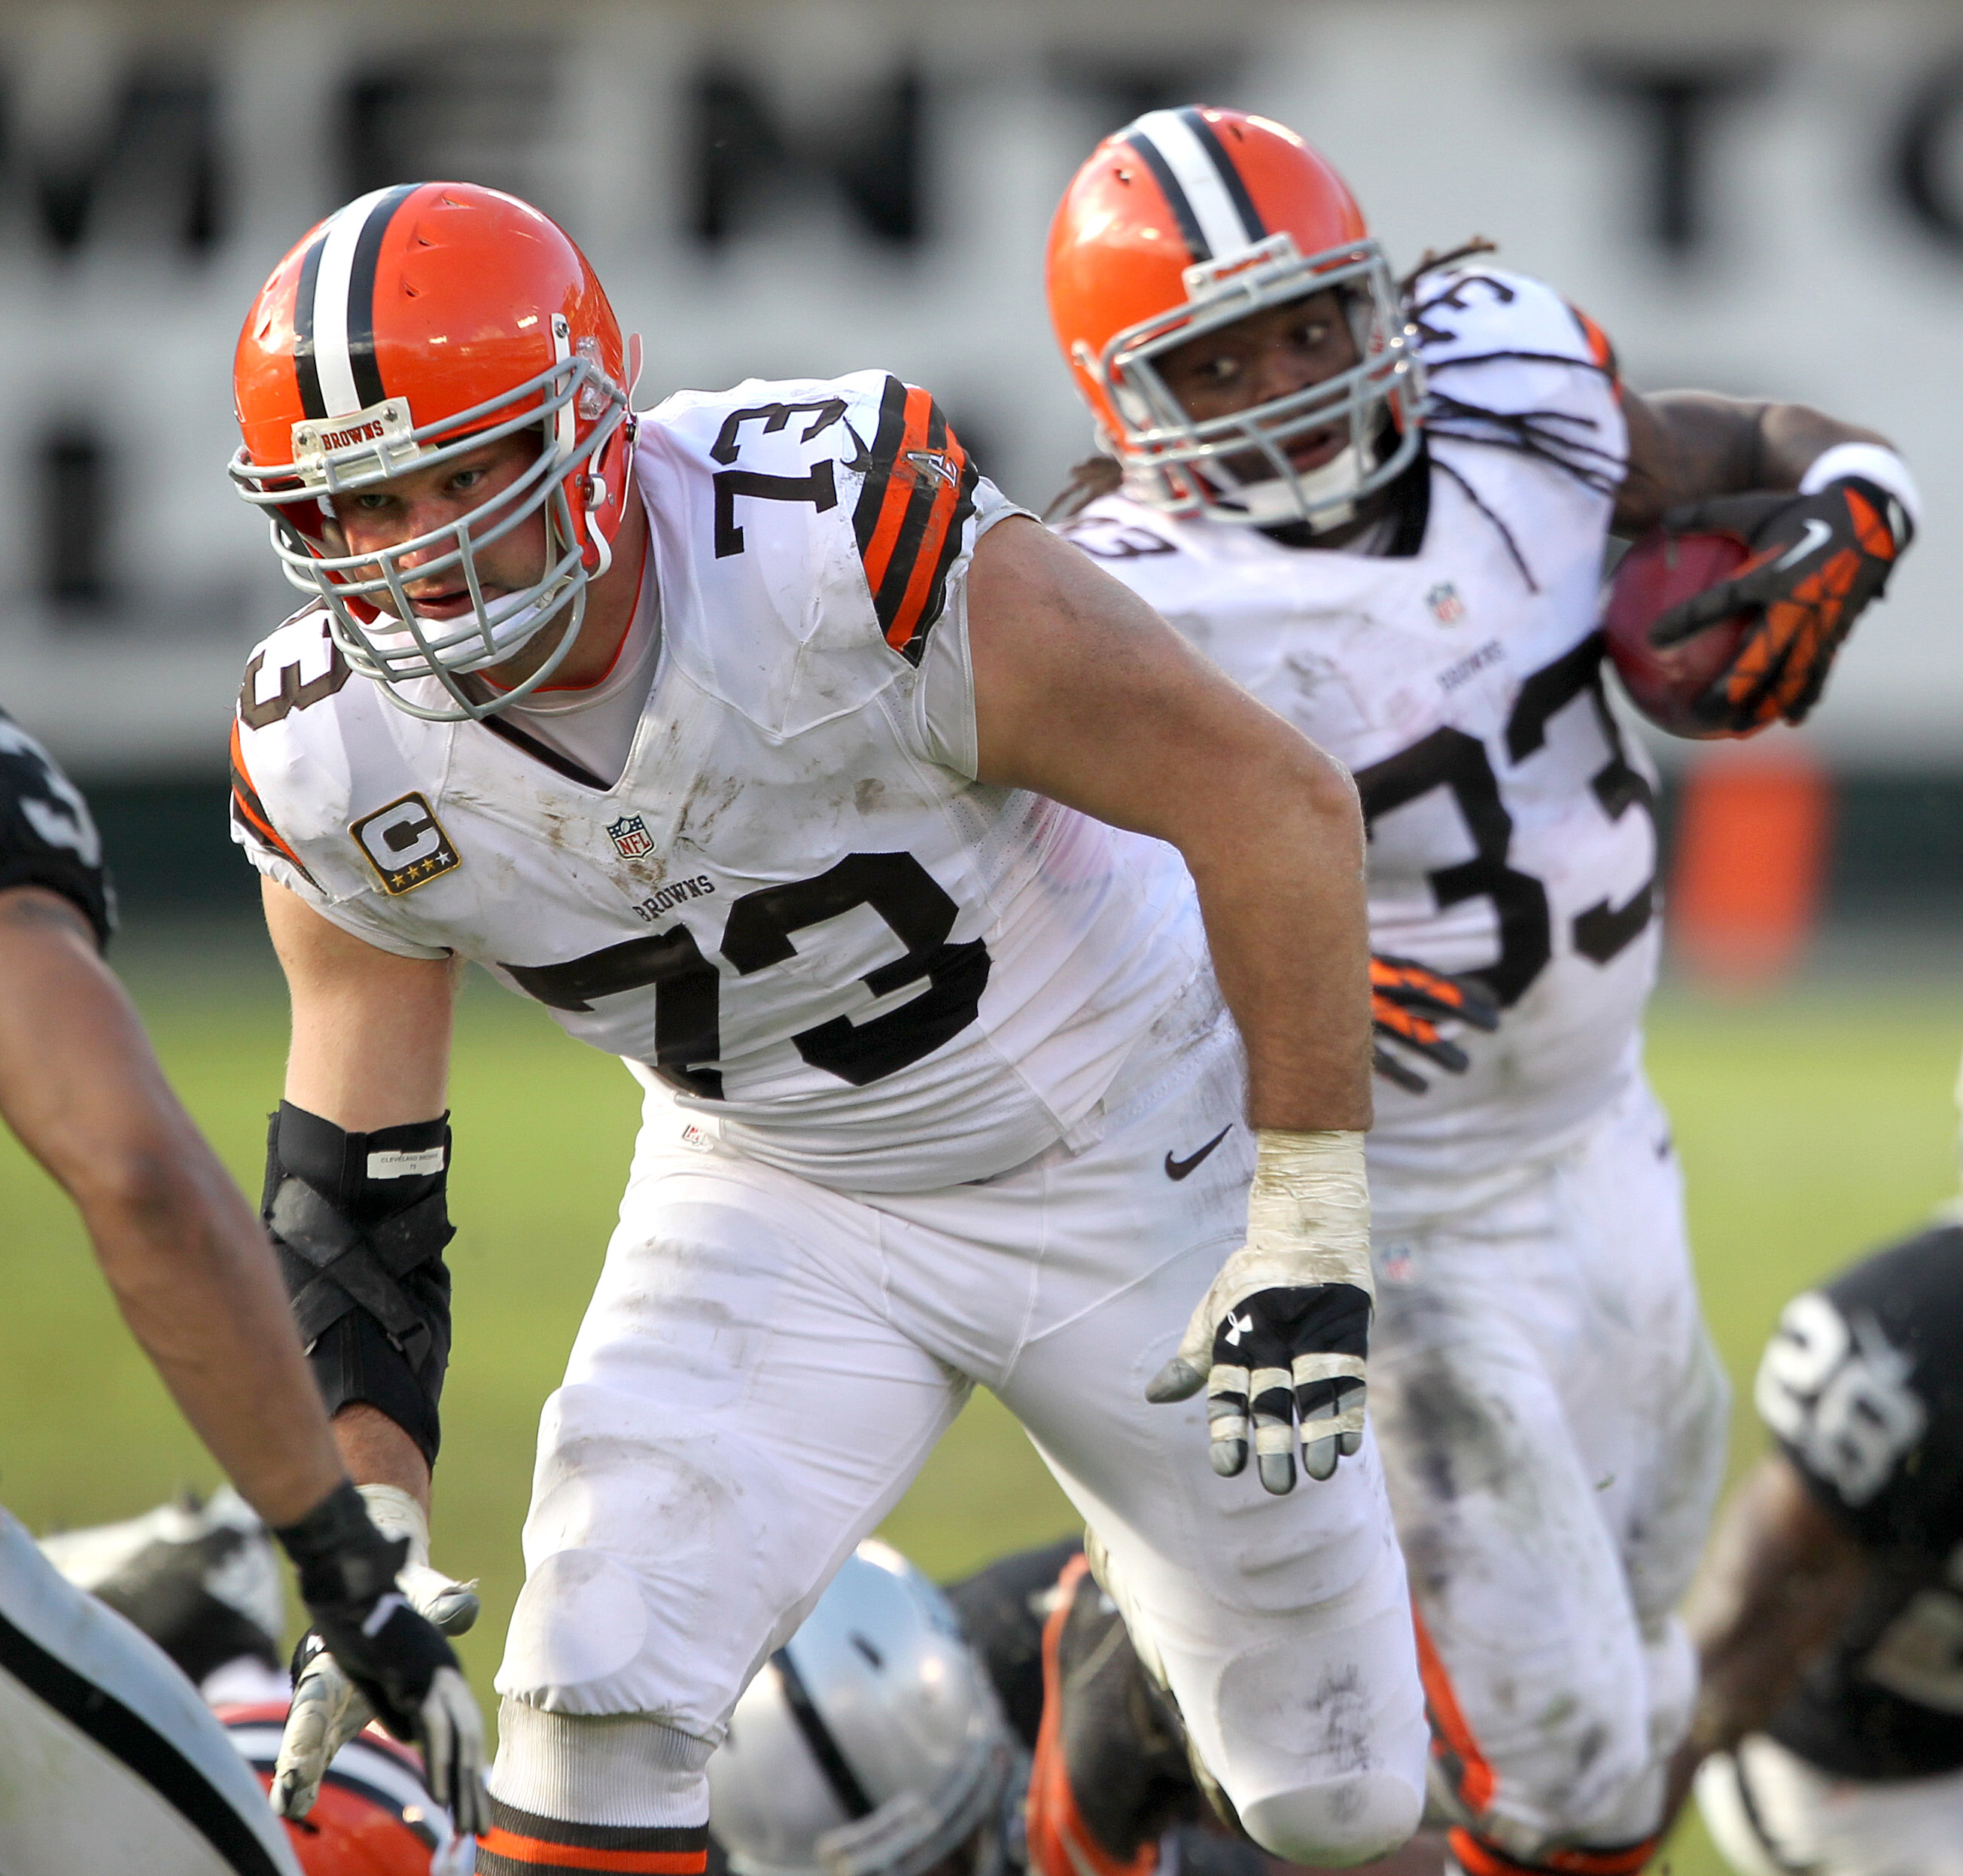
(1280,501)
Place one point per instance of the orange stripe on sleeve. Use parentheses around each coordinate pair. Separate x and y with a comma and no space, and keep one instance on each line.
(1598,347)
(899,491)
(250,809)
(926,563)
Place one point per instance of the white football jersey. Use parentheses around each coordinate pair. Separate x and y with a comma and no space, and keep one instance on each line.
(794,908)
(1512,827)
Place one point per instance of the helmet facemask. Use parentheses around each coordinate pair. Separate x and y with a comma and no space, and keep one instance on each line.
(577,411)
(913,1835)
(1194,468)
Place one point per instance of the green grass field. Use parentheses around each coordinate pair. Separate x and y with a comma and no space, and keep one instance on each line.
(1812,1126)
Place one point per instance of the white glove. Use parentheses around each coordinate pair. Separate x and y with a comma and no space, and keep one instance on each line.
(328,1709)
(1286,1325)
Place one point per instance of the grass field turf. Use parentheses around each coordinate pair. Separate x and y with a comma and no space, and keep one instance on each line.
(1811,1127)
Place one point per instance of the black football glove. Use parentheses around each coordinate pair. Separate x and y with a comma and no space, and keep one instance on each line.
(1817,561)
(1273,1356)
(402,1666)
(1407,1002)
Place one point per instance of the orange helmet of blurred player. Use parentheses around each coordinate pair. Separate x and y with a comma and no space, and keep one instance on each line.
(1184,222)
(414,325)
(374,1816)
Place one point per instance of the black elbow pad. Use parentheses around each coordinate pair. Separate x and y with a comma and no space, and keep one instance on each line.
(359,1222)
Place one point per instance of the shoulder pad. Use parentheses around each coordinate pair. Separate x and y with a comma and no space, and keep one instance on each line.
(1465,315)
(307,730)
(47,837)
(298,665)
(868,444)
(916,496)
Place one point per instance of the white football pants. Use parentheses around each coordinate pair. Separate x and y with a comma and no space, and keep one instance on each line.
(109,1759)
(766,1363)
(1553,1419)
(1771,1813)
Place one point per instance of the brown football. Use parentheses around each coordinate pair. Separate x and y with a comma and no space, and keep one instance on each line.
(1659,571)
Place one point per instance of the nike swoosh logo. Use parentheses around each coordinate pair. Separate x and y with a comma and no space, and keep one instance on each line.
(1179,1169)
(1817,534)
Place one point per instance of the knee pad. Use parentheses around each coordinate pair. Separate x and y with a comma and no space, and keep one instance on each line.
(579,1626)
(1338,1823)
(618,1768)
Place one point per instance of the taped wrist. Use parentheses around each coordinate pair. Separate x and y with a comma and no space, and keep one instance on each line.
(1308,1211)
(359,1222)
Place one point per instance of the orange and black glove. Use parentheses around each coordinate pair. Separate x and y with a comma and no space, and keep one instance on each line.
(1817,561)
(1407,1002)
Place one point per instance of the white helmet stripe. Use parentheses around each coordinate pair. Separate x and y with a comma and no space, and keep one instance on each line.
(373,1769)
(330,321)
(1195,174)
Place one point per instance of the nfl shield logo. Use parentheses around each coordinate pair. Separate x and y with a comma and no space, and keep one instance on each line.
(630,837)
(1446,606)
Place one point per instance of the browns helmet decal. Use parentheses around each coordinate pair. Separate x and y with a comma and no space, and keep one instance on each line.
(1207,194)
(917,496)
(375,1815)
(334,312)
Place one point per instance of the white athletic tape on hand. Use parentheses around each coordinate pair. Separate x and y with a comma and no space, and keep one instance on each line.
(396,1515)
(1327,1367)
(451,1605)
(1308,1223)
(1309,1213)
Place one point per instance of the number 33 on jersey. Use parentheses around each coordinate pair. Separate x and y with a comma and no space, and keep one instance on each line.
(796,910)
(1512,826)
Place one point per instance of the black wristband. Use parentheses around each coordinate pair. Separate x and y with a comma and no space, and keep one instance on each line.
(341,1557)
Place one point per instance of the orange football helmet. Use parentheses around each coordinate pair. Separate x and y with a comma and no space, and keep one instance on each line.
(413,324)
(1186,221)
(374,1816)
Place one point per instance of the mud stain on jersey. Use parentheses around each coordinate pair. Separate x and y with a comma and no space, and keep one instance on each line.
(1343,1704)
(708,800)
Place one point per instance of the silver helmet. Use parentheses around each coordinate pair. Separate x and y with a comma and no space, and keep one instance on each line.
(871,1745)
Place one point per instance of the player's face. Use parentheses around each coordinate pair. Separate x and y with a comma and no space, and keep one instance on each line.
(1271,354)
(425,500)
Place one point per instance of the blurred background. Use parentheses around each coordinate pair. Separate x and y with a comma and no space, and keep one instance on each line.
(1762,197)
(1759,196)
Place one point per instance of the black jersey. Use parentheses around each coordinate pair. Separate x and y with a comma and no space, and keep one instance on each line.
(1121,1740)
(1863,1384)
(46,836)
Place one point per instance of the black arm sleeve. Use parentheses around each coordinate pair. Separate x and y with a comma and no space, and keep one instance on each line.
(359,1222)
(47,835)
